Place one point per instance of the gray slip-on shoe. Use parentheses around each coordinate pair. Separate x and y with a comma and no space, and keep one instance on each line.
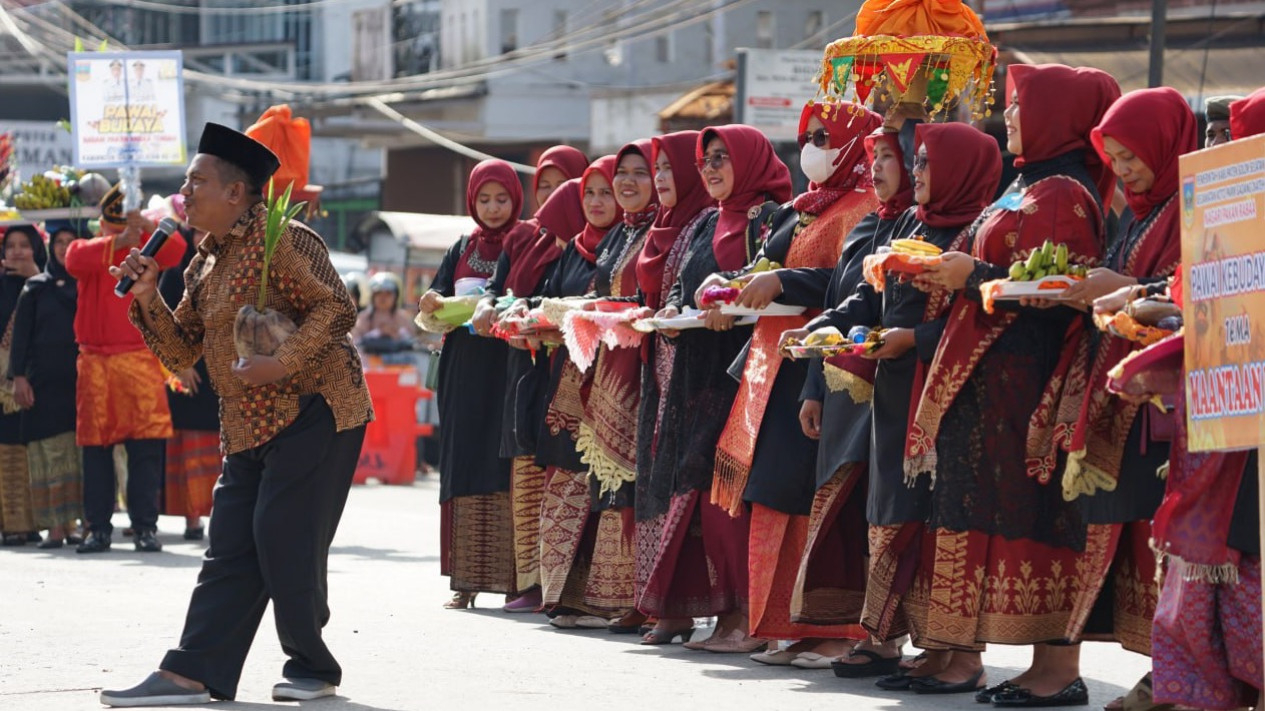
(302,689)
(154,691)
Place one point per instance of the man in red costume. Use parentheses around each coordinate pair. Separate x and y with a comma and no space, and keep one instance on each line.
(121,397)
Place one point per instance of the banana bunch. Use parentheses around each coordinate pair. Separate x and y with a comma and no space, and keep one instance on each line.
(42,193)
(1049,260)
(915,246)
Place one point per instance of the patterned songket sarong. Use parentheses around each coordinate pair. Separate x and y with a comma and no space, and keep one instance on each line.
(991,589)
(527,489)
(778,544)
(56,466)
(477,543)
(1207,645)
(15,490)
(193,466)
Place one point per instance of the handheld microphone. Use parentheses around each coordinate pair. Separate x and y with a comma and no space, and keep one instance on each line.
(155,243)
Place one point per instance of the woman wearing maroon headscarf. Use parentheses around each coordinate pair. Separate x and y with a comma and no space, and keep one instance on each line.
(685,207)
(956,170)
(985,429)
(609,395)
(556,166)
(477,550)
(566,543)
(521,272)
(1116,449)
(701,570)
(1206,636)
(763,457)
(837,413)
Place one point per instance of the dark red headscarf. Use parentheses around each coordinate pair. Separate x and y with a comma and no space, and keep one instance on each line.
(1247,115)
(691,199)
(643,148)
(1059,107)
(904,197)
(592,235)
(559,220)
(571,162)
(490,242)
(965,167)
(759,176)
(848,125)
(1157,125)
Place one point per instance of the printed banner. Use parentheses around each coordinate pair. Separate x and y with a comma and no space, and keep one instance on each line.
(1223,262)
(127,108)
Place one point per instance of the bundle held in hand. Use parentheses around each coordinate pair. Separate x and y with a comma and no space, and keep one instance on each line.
(259,330)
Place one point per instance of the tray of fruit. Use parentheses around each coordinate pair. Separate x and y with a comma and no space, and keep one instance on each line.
(1148,320)
(909,257)
(50,194)
(828,342)
(1045,274)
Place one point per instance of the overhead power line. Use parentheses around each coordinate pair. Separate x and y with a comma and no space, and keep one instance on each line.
(661,20)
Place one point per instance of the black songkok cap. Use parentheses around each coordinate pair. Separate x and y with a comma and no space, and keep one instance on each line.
(241,150)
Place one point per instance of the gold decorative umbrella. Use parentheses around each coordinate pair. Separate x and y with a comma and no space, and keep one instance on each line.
(931,53)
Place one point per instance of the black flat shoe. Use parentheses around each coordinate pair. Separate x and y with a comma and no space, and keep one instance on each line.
(14,539)
(147,542)
(95,543)
(194,534)
(877,666)
(1074,694)
(895,682)
(932,685)
(985,696)
(34,537)
(51,543)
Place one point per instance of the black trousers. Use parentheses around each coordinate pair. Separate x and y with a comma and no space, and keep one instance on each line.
(275,512)
(144,477)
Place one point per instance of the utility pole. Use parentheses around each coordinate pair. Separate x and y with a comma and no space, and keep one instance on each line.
(1155,77)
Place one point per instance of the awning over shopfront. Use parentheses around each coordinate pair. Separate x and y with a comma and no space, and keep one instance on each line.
(389,238)
(708,105)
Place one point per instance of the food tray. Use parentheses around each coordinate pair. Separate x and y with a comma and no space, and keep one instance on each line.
(770,310)
(1051,287)
(692,318)
(805,352)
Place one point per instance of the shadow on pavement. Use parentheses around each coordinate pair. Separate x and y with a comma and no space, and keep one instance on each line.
(342,703)
(391,554)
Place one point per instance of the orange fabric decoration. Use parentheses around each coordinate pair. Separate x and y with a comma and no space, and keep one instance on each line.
(291,139)
(905,18)
(120,397)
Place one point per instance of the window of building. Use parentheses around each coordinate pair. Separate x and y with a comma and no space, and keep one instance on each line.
(509,31)
(663,47)
(560,31)
(764,29)
(814,25)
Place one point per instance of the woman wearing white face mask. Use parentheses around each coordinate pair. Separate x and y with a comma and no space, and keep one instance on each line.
(764,458)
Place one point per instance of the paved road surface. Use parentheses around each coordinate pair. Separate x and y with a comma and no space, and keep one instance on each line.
(72,624)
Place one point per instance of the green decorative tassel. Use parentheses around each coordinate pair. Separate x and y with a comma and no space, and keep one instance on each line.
(842,69)
(937,85)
